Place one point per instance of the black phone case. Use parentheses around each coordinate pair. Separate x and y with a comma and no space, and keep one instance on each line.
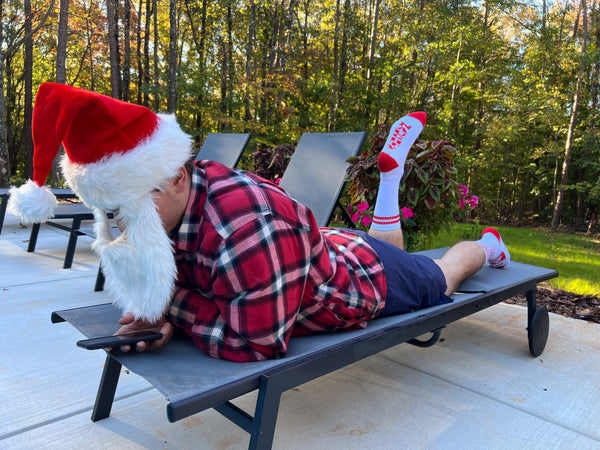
(117,341)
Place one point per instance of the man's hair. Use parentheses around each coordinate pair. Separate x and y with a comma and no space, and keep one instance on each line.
(189,166)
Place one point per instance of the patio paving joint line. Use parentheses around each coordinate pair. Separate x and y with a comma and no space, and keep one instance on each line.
(67,416)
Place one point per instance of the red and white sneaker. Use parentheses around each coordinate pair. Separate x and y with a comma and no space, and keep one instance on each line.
(497,254)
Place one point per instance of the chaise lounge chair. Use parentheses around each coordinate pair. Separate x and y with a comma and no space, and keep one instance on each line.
(193,382)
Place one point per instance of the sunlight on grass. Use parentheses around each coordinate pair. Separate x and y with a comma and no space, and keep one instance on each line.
(575,257)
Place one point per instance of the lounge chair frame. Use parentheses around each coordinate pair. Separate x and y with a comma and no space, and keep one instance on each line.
(193,382)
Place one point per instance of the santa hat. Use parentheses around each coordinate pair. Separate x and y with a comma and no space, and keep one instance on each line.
(116,154)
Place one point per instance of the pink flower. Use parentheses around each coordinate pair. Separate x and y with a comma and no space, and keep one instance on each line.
(473,201)
(462,204)
(355,217)
(463,190)
(366,221)
(362,207)
(407,213)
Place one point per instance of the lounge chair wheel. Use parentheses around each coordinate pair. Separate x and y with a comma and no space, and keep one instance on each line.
(538,331)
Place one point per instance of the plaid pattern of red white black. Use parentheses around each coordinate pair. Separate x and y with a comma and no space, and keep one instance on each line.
(254,269)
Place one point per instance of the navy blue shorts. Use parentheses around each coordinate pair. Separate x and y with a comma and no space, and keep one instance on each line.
(413,281)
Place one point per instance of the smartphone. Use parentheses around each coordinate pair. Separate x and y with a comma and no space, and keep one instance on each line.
(118,340)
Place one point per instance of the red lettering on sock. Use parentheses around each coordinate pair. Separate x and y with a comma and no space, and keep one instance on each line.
(399,133)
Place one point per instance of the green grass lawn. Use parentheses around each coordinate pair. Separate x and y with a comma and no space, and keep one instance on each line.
(576,257)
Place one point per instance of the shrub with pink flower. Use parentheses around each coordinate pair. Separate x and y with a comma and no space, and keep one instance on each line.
(407,213)
(360,214)
(465,199)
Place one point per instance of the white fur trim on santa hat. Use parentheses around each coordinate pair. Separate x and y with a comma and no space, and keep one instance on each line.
(124,178)
(31,203)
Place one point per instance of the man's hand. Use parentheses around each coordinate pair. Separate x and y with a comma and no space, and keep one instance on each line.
(130,325)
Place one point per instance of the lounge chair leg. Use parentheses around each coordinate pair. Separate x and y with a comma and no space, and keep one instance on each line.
(72,243)
(99,286)
(435,336)
(265,416)
(4,199)
(107,389)
(538,325)
(35,229)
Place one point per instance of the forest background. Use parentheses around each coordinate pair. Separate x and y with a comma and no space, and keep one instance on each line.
(512,84)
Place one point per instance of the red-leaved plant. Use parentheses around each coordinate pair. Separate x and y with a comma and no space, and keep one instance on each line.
(270,163)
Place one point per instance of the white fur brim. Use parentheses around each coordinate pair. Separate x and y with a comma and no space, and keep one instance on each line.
(31,203)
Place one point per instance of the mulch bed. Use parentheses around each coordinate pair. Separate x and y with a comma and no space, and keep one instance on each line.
(569,304)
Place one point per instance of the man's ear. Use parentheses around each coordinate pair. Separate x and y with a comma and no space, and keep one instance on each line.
(180,181)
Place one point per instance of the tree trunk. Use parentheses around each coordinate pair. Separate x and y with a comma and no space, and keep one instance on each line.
(412,77)
(199,42)
(249,52)
(28,107)
(373,39)
(560,199)
(61,76)
(282,61)
(146,75)
(335,85)
(478,134)
(343,56)
(155,57)
(589,143)
(172,100)
(113,48)
(126,49)
(61,42)
(140,64)
(230,62)
(224,51)
(267,63)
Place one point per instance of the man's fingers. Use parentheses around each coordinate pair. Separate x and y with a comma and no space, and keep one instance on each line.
(126,319)
(167,331)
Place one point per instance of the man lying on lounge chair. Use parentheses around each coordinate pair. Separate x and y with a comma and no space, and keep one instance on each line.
(250,267)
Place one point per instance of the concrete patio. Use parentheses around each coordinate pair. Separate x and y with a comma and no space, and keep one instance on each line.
(477,388)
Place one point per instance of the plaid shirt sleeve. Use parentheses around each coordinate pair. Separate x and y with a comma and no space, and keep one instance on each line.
(258,278)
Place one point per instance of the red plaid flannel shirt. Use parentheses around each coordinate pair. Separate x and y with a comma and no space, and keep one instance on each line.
(254,269)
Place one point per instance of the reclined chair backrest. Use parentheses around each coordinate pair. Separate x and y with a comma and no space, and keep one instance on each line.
(226,148)
(317,170)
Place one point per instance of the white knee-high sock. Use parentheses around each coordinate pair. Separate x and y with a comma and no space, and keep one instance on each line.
(403,135)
